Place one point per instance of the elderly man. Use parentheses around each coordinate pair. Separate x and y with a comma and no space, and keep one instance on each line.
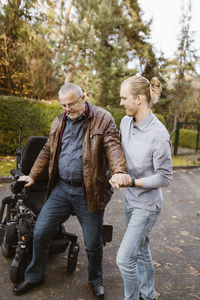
(82,144)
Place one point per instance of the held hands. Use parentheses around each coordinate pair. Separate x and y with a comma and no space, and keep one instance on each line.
(119,180)
(28,179)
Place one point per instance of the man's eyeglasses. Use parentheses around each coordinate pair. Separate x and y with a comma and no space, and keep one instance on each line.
(70,105)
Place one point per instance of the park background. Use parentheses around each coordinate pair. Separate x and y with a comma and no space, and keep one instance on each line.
(96,44)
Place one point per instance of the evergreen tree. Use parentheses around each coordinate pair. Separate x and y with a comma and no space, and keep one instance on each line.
(26,57)
(104,43)
(183,71)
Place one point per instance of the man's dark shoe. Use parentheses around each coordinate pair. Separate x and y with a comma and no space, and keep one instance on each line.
(98,290)
(24,287)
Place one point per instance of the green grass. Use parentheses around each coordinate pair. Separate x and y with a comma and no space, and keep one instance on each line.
(185,160)
(6,164)
(181,161)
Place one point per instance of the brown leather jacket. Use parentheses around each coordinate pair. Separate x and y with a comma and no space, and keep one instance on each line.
(100,148)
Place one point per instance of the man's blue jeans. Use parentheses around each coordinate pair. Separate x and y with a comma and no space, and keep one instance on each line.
(62,201)
(134,257)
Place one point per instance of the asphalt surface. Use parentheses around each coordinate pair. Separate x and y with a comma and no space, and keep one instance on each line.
(175,247)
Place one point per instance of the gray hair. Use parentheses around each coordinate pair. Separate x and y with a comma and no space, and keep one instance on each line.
(70,87)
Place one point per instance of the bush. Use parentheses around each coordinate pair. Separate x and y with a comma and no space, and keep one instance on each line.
(160,118)
(34,116)
(117,114)
(187,138)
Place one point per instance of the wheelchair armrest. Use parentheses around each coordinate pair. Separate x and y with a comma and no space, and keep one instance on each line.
(17,186)
(17,172)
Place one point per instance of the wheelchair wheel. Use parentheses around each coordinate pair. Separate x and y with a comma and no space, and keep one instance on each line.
(9,240)
(72,257)
(7,250)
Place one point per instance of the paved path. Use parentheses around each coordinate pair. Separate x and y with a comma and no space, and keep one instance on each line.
(175,245)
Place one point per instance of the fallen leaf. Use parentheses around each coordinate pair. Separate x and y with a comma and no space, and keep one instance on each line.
(157,294)
(156,264)
(193,271)
(185,233)
(119,284)
(174,249)
(182,241)
(169,264)
(197,297)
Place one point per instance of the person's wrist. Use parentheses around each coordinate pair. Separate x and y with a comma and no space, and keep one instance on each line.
(133,183)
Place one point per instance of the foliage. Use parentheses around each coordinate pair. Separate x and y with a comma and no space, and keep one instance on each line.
(117,114)
(26,56)
(104,43)
(96,44)
(6,164)
(189,160)
(183,100)
(34,116)
(187,138)
(160,118)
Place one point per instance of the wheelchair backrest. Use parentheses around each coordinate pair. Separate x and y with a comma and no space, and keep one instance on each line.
(37,191)
(30,152)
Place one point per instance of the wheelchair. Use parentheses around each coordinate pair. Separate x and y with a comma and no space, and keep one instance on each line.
(19,212)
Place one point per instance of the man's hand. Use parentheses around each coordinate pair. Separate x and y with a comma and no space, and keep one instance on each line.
(28,179)
(119,179)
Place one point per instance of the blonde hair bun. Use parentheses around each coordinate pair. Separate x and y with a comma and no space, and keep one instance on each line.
(155,89)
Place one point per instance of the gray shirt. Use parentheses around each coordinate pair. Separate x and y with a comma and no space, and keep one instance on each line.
(70,158)
(147,150)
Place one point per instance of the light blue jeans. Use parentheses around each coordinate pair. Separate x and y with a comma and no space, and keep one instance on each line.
(63,200)
(134,256)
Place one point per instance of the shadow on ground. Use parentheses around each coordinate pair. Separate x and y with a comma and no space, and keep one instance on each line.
(175,246)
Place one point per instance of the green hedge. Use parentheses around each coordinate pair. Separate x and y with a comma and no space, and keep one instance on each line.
(117,114)
(160,118)
(187,138)
(35,117)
